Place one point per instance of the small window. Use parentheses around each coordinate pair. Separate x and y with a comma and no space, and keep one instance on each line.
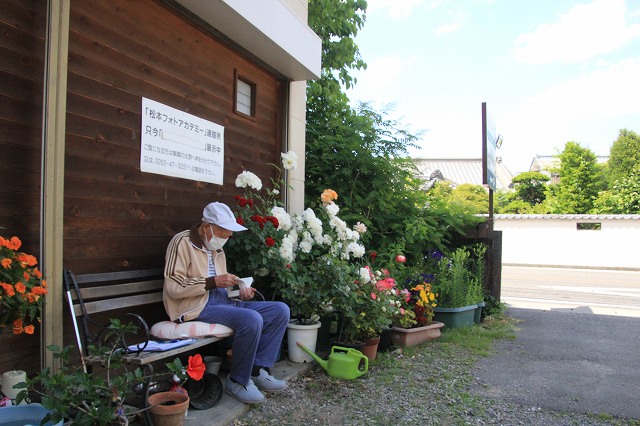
(245,97)
(588,226)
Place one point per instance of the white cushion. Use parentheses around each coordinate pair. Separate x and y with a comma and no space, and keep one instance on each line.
(169,330)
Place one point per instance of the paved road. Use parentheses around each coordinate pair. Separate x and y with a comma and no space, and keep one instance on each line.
(578,348)
(590,291)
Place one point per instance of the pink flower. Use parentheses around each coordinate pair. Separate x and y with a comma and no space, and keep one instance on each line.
(400,258)
(374,296)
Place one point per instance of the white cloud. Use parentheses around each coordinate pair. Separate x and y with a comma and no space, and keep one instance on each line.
(379,78)
(448,28)
(571,111)
(395,9)
(582,32)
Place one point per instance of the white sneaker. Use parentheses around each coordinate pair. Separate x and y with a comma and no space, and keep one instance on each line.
(266,382)
(248,394)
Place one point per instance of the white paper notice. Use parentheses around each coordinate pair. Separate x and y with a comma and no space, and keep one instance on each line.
(174,143)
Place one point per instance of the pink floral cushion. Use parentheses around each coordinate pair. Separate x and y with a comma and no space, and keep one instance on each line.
(191,329)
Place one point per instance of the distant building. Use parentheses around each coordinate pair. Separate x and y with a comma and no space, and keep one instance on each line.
(545,163)
(459,171)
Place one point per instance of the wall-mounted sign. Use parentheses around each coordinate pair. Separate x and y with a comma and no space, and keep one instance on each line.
(489,142)
(178,144)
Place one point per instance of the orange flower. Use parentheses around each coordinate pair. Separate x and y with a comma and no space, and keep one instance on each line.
(6,263)
(27,259)
(15,243)
(20,287)
(17,326)
(8,288)
(196,367)
(328,195)
(37,273)
(29,329)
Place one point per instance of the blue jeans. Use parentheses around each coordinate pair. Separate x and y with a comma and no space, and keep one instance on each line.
(258,330)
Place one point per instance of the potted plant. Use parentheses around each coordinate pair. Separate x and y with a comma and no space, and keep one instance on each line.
(414,323)
(96,399)
(368,309)
(459,289)
(306,257)
(22,288)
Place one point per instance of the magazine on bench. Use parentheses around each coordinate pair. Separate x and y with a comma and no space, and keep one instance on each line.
(161,345)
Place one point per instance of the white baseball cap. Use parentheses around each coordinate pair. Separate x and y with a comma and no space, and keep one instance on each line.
(220,214)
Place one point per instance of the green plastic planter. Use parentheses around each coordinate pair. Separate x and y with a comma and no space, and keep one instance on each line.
(456,317)
(477,316)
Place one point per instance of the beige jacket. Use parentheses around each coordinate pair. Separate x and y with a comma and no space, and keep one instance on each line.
(186,269)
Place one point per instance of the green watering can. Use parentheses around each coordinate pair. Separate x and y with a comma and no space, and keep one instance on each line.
(343,363)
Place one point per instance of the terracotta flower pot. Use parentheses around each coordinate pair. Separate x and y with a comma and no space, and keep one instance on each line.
(370,348)
(168,408)
(417,335)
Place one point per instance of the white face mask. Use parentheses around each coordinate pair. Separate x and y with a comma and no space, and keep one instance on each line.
(214,243)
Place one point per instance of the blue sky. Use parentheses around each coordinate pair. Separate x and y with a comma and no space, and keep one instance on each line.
(550,71)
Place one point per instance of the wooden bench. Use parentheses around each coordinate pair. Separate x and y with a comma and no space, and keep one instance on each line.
(99,295)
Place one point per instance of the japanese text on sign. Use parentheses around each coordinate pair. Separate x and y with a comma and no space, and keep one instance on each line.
(174,143)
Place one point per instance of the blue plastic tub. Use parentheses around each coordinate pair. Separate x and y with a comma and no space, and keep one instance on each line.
(24,415)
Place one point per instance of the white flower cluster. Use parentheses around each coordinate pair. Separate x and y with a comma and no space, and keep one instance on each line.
(248,179)
(365,275)
(289,160)
(284,220)
(306,231)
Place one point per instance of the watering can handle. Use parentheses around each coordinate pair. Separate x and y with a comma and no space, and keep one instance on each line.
(366,363)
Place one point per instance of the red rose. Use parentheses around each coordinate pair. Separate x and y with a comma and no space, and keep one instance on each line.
(400,258)
(270,242)
(373,255)
(240,221)
(273,220)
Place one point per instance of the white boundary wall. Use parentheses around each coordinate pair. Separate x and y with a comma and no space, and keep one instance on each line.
(554,240)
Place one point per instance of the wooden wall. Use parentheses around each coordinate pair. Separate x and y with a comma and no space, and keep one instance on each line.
(116,217)
(22,45)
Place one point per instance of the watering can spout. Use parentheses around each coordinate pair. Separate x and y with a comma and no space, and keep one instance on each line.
(323,363)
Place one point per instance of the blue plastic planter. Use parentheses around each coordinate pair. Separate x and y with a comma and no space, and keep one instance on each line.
(24,415)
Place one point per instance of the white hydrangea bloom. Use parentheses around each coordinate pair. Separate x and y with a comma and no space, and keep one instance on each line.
(332,209)
(340,226)
(248,179)
(287,247)
(297,222)
(360,227)
(284,219)
(306,246)
(289,160)
(357,249)
(365,277)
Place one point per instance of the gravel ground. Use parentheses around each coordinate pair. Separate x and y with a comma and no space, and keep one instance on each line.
(426,385)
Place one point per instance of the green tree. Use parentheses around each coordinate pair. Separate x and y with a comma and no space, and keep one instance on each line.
(362,153)
(624,156)
(472,198)
(581,178)
(623,197)
(531,187)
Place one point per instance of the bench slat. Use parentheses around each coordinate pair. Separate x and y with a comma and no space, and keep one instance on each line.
(118,303)
(106,291)
(121,275)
